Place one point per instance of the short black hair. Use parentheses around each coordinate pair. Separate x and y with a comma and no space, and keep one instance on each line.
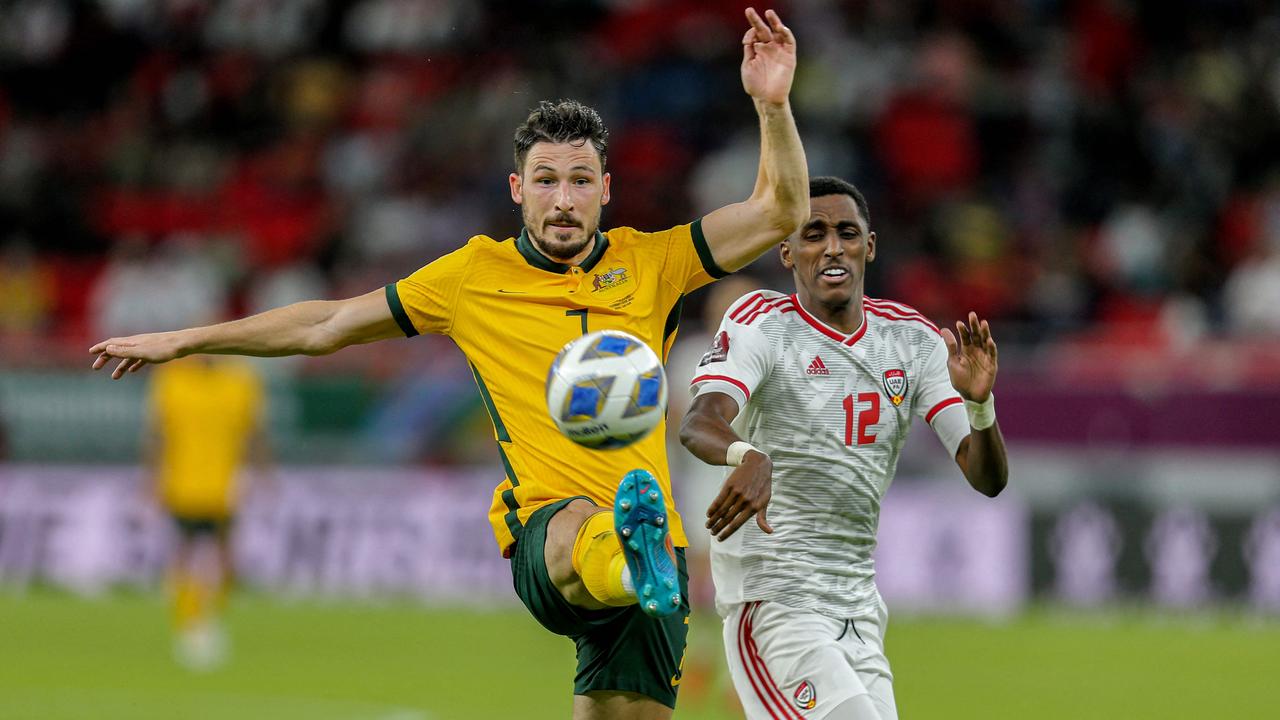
(565,121)
(827,185)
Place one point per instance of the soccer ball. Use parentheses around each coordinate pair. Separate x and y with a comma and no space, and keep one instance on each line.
(606,390)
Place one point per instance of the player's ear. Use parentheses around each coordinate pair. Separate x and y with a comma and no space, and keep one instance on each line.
(784,252)
(604,180)
(517,190)
(871,247)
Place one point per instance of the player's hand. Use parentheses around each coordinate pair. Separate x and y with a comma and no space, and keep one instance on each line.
(746,492)
(972,359)
(136,351)
(768,58)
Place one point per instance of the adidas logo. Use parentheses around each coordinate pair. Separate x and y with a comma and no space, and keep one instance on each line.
(817,367)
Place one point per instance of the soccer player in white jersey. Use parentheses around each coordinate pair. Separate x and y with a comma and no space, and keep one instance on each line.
(810,396)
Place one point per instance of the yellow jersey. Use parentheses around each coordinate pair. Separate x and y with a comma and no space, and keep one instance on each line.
(511,309)
(205,413)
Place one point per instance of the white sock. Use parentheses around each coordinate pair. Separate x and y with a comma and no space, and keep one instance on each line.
(627,584)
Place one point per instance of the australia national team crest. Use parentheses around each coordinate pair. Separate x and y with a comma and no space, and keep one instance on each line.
(806,697)
(609,279)
(895,384)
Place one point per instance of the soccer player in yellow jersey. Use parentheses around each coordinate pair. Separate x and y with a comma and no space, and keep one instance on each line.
(205,421)
(510,305)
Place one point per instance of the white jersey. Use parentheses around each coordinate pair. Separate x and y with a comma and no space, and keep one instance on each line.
(832,411)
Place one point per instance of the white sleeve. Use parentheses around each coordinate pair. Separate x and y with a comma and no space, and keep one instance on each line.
(740,358)
(937,402)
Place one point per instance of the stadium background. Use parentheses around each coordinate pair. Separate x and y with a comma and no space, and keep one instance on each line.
(1100,178)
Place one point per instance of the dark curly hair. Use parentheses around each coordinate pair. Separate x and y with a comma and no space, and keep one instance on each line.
(826,185)
(566,121)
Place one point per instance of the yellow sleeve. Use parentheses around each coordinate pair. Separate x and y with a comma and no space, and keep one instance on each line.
(689,264)
(425,301)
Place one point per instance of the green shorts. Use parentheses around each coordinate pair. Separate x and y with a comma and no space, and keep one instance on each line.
(618,648)
(192,527)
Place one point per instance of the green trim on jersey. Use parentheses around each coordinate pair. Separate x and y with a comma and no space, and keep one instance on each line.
(511,518)
(673,322)
(397,311)
(704,252)
(542,262)
(498,426)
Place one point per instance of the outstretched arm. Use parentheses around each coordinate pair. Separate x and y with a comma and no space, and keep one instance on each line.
(972,364)
(740,233)
(746,492)
(315,327)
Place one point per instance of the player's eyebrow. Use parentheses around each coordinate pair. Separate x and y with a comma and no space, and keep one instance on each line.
(541,167)
(821,224)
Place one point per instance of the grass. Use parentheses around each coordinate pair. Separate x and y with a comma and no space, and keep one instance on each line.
(63,657)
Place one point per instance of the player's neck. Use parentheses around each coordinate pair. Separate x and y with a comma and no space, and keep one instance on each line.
(845,317)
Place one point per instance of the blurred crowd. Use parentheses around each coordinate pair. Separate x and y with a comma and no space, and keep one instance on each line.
(1070,168)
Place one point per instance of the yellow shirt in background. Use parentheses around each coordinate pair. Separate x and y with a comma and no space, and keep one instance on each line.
(205,412)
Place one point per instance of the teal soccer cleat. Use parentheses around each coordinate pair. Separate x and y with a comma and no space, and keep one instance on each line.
(640,518)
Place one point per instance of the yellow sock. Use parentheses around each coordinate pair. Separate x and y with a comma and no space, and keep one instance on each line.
(188,604)
(598,560)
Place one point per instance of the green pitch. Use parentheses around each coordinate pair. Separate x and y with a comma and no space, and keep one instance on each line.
(64,658)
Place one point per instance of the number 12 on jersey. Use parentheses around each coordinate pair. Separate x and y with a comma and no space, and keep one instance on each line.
(867,416)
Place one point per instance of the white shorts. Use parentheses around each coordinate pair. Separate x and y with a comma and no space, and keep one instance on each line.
(790,664)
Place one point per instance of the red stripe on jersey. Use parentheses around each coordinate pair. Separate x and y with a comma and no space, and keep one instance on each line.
(744,307)
(760,309)
(817,325)
(895,307)
(766,679)
(928,418)
(749,666)
(723,378)
(887,315)
(765,309)
(804,314)
(903,308)
(895,311)
(862,330)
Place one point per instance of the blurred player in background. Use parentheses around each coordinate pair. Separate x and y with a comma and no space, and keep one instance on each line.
(810,397)
(510,306)
(205,425)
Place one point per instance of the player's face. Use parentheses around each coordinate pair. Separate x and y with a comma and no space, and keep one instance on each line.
(828,256)
(560,192)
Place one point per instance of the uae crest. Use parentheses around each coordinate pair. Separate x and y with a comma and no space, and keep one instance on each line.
(806,697)
(895,384)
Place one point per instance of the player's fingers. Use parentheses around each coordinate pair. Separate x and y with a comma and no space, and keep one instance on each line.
(763,521)
(101,360)
(953,348)
(962,331)
(974,327)
(717,511)
(738,521)
(717,505)
(763,33)
(98,348)
(718,523)
(727,519)
(781,32)
(137,365)
(119,371)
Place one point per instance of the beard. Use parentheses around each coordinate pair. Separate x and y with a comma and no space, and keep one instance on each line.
(553,246)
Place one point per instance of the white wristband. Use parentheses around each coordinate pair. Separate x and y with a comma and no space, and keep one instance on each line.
(981,415)
(738,450)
